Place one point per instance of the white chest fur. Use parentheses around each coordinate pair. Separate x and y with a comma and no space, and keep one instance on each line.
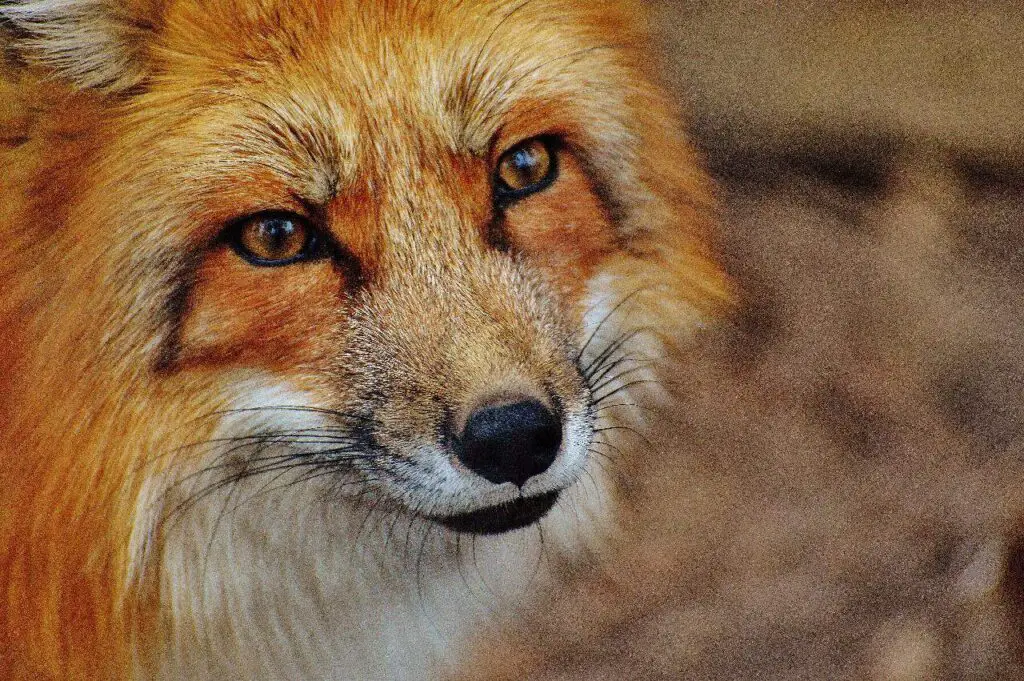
(280,586)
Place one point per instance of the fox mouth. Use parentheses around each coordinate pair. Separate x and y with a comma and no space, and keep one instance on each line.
(506,517)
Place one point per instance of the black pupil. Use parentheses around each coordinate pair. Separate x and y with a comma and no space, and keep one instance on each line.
(525,161)
(277,233)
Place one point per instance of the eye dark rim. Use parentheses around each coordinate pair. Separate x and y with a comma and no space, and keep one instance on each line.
(315,247)
(504,195)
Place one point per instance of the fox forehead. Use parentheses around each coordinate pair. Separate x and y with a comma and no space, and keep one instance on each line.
(326,93)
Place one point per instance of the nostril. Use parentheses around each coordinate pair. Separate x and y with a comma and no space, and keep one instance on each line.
(510,442)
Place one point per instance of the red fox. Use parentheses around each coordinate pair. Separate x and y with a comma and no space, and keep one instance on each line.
(319,320)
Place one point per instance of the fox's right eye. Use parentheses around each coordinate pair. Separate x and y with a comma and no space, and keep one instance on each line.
(273,239)
(525,169)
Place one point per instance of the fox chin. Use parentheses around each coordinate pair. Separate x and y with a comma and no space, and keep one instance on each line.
(324,323)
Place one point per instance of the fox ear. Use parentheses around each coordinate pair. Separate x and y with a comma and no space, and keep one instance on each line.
(99,44)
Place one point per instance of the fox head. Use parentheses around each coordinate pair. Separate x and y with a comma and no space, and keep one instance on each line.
(280,277)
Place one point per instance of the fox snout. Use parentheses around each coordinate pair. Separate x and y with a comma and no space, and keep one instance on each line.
(472,389)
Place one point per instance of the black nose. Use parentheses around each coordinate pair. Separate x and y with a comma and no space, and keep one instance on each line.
(511,442)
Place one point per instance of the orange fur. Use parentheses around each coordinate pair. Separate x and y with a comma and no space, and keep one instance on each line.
(122,319)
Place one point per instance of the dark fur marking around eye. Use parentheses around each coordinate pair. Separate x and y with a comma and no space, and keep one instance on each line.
(140,88)
(352,270)
(173,314)
(613,207)
(15,141)
(496,233)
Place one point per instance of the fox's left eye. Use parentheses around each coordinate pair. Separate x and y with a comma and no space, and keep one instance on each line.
(526,168)
(273,239)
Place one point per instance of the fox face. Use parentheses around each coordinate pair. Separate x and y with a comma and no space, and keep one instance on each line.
(302,294)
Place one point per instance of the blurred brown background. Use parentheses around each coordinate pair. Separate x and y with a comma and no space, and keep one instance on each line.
(839,493)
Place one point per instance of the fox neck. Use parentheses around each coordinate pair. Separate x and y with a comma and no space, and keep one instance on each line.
(277,587)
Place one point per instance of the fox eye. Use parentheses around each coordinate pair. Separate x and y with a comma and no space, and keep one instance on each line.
(273,239)
(526,168)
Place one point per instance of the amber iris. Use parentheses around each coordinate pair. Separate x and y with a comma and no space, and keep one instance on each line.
(274,239)
(526,167)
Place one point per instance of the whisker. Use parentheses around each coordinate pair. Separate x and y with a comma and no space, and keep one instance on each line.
(419,561)
(597,373)
(608,315)
(628,429)
(341,417)
(618,377)
(220,464)
(621,405)
(332,458)
(625,387)
(612,348)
